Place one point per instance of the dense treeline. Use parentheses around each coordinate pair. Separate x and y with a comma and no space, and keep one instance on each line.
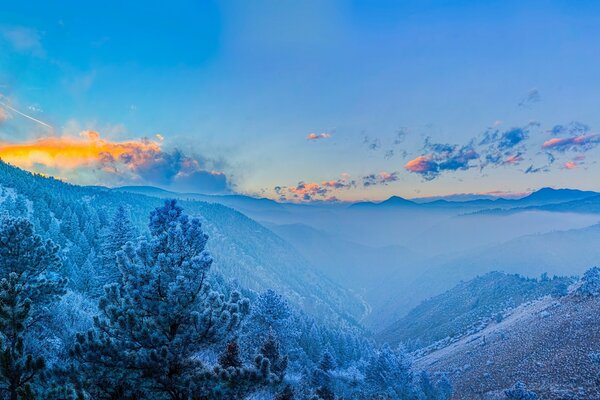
(95,304)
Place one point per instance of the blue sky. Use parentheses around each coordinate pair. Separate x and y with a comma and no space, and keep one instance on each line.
(412,98)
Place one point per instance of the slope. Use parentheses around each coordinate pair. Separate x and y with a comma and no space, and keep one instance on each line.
(545,344)
(244,250)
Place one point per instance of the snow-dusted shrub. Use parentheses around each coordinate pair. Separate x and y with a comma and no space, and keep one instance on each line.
(590,283)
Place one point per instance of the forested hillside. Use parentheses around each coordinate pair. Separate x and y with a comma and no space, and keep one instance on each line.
(78,217)
(111,296)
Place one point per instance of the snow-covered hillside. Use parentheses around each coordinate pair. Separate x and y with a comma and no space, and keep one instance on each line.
(546,344)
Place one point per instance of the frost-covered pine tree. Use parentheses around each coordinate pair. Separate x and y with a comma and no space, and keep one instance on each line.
(154,325)
(231,356)
(590,283)
(270,313)
(389,373)
(117,234)
(322,378)
(270,351)
(29,285)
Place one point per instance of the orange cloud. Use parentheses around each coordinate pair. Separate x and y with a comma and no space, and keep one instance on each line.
(570,165)
(309,191)
(421,164)
(562,144)
(63,153)
(513,159)
(138,161)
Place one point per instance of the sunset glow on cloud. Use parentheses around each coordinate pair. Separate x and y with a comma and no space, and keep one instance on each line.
(64,152)
(581,141)
(314,136)
(141,161)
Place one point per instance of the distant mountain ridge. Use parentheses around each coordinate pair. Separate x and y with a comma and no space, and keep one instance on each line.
(541,197)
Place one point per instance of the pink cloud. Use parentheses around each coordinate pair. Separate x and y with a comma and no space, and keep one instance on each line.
(314,136)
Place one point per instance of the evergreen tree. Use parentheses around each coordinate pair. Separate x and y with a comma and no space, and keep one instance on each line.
(389,373)
(270,351)
(153,325)
(119,232)
(270,313)
(322,379)
(231,356)
(29,284)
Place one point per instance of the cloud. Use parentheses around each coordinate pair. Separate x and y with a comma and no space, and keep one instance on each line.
(570,165)
(3,115)
(532,97)
(442,157)
(311,191)
(382,178)
(135,161)
(372,144)
(314,136)
(579,143)
(23,40)
(513,159)
(573,128)
(534,170)
(388,146)
(505,147)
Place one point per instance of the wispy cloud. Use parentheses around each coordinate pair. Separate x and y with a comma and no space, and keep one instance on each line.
(313,191)
(382,178)
(580,143)
(573,128)
(23,40)
(314,136)
(532,97)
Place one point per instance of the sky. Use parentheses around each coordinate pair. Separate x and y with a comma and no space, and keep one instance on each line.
(304,100)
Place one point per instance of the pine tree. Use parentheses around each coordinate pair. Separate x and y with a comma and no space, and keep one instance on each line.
(270,351)
(29,284)
(154,324)
(231,356)
(119,232)
(270,313)
(322,379)
(388,372)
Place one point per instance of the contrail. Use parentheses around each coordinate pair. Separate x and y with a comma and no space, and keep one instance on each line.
(27,116)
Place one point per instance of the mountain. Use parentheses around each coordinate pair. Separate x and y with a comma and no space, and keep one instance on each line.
(541,197)
(545,343)
(549,196)
(467,306)
(244,251)
(393,201)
